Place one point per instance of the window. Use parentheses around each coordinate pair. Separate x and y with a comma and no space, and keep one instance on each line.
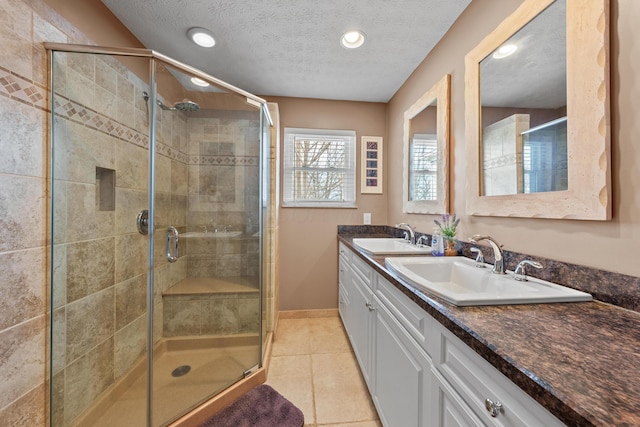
(319,168)
(424,168)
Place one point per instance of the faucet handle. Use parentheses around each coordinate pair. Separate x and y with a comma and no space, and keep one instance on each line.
(479,257)
(519,273)
(422,241)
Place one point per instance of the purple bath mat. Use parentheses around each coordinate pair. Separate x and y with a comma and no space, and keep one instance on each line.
(260,407)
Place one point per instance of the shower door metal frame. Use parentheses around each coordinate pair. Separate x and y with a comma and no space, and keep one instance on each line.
(153,56)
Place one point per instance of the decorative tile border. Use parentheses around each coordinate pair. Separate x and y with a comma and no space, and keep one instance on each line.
(224,160)
(23,90)
(68,109)
(33,94)
(86,116)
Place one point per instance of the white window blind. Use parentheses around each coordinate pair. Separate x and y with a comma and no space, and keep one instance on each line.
(424,168)
(319,168)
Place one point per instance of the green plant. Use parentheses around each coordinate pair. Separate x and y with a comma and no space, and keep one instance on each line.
(448,226)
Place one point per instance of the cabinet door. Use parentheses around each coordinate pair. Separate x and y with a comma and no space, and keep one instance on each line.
(344,286)
(359,332)
(402,374)
(451,410)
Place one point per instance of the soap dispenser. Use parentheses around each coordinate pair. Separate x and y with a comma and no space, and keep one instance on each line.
(437,243)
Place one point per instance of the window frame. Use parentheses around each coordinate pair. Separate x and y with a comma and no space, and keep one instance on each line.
(290,136)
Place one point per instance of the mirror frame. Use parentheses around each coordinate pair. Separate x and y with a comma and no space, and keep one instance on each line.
(588,110)
(440,93)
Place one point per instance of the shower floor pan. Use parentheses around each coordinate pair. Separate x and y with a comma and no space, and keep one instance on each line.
(214,364)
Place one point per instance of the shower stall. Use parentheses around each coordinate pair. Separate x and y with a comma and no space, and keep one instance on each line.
(161,222)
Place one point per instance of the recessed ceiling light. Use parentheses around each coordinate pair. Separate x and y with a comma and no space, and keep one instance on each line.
(201,37)
(504,51)
(199,82)
(352,39)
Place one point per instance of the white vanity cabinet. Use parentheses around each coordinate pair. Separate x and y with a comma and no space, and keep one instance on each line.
(418,372)
(396,368)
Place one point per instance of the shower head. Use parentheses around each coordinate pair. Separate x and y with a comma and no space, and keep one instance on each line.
(186,106)
(179,106)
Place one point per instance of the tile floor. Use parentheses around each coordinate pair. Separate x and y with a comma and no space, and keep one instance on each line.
(313,366)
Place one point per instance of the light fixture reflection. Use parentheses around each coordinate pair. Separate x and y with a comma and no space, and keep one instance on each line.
(199,82)
(201,37)
(352,39)
(504,51)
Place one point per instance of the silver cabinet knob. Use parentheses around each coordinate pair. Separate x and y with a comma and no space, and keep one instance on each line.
(494,408)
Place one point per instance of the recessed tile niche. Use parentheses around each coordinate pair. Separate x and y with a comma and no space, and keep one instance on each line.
(105,189)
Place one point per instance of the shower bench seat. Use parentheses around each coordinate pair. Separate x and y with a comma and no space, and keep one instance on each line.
(197,306)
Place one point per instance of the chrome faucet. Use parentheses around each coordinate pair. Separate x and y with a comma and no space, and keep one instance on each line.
(410,230)
(498,256)
(519,273)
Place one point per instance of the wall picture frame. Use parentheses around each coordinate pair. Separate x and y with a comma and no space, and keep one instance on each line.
(371,164)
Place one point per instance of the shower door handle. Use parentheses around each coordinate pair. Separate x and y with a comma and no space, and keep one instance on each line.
(172,244)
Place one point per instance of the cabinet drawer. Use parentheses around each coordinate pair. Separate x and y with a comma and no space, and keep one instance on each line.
(362,269)
(476,380)
(343,271)
(417,322)
(344,252)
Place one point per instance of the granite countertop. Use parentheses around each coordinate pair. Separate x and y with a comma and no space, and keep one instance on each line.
(579,360)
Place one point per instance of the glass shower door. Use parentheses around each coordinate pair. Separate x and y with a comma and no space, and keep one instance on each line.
(99,157)
(207,264)
(147,325)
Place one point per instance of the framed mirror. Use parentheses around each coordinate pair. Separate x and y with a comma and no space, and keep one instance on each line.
(537,111)
(426,152)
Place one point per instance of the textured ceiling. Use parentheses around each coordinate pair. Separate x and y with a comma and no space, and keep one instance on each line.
(291,47)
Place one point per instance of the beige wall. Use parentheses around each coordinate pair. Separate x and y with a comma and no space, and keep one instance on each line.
(95,21)
(607,245)
(308,246)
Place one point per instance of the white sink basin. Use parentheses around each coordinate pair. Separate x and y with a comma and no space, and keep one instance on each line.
(379,246)
(457,280)
(211,235)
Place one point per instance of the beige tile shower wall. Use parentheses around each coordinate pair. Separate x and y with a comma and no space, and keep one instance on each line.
(223,194)
(23,205)
(23,254)
(171,205)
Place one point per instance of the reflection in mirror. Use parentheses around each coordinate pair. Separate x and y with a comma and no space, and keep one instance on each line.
(537,114)
(423,155)
(523,94)
(426,140)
